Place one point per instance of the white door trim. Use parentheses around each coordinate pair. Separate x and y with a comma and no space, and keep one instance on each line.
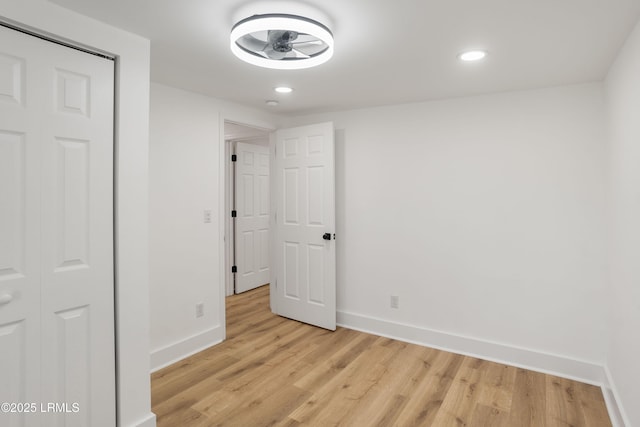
(57,40)
(229,237)
(225,278)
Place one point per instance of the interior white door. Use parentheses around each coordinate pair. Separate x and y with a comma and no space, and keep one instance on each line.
(304,248)
(56,233)
(252,216)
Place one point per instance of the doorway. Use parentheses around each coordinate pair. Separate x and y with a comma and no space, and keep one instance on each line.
(248,207)
(301,217)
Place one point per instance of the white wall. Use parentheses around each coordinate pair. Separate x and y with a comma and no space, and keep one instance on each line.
(623,107)
(132,93)
(187,255)
(486,216)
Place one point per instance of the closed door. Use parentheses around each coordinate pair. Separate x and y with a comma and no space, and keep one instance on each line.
(304,247)
(252,216)
(56,233)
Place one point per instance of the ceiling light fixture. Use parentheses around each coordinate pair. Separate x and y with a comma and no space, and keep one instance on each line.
(281,41)
(283,89)
(271,102)
(472,55)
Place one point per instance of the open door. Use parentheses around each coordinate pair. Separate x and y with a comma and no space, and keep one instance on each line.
(304,255)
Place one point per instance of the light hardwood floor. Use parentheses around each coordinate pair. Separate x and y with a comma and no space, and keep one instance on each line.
(273,371)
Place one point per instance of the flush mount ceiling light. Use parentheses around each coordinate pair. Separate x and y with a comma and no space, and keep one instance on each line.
(281,41)
(472,55)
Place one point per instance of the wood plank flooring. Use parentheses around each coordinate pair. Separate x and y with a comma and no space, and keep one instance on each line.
(273,371)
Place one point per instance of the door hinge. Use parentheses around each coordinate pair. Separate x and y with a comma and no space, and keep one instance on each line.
(234,269)
(234,158)
(234,213)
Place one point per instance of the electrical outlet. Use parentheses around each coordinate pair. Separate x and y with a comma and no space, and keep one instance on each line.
(207,216)
(395,301)
(200,309)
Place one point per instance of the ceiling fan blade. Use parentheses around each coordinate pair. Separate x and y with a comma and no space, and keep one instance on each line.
(262,35)
(251,43)
(274,54)
(314,42)
(305,38)
(299,54)
(309,49)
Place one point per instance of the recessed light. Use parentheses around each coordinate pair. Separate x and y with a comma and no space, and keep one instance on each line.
(283,89)
(472,55)
(272,103)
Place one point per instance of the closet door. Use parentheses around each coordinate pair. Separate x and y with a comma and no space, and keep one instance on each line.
(56,233)
(20,230)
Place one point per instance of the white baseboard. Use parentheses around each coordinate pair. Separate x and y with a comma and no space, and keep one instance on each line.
(562,366)
(148,421)
(614,405)
(172,353)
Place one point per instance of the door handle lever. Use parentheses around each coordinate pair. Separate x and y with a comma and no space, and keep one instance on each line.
(326,236)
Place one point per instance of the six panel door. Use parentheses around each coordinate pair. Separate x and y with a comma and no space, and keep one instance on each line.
(305,253)
(252,220)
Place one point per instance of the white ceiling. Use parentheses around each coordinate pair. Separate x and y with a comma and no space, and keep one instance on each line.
(386,52)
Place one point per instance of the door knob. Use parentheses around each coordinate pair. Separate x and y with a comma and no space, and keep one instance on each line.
(326,236)
(5,299)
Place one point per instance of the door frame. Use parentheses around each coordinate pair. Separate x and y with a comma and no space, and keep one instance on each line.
(225,203)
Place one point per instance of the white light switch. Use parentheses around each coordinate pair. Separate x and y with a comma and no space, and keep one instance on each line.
(207,216)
